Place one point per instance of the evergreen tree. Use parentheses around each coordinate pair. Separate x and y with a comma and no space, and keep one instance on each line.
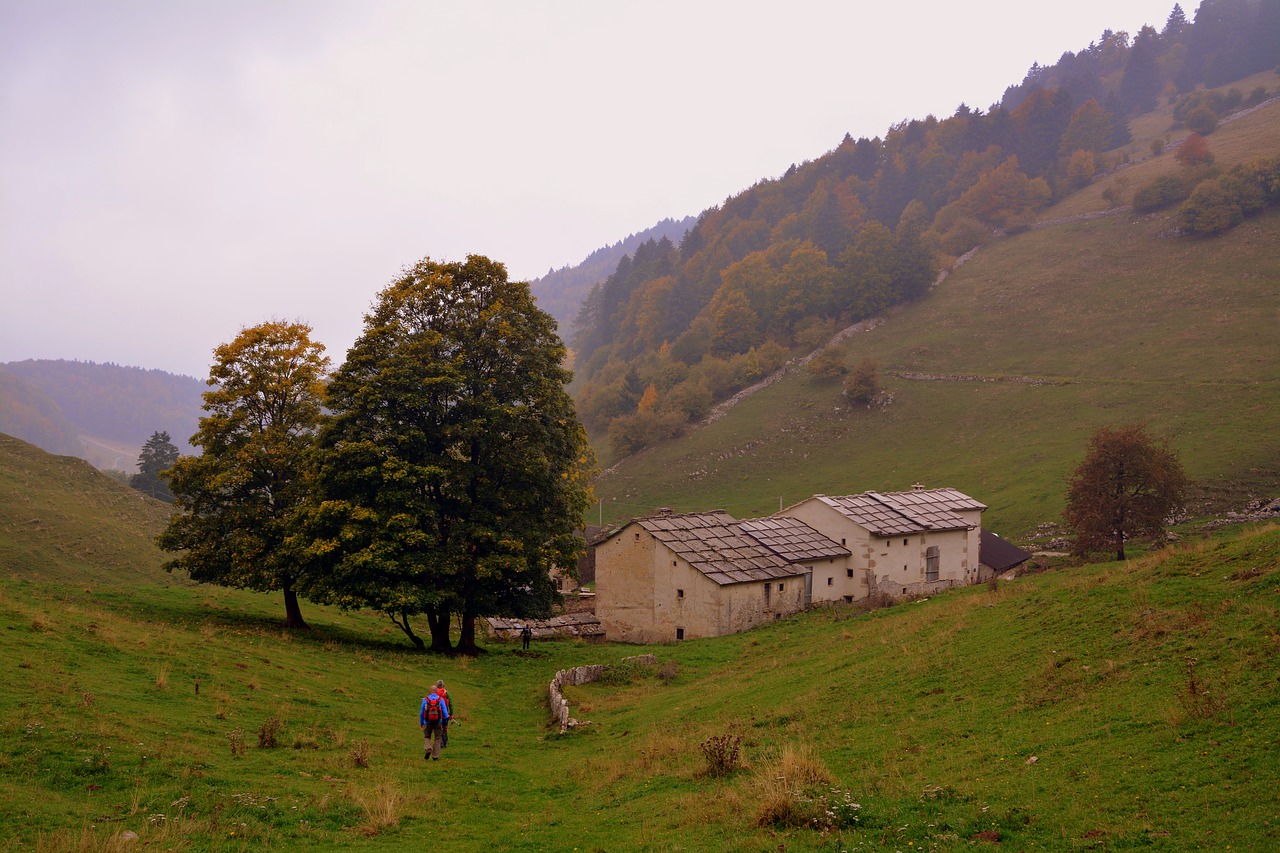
(157,457)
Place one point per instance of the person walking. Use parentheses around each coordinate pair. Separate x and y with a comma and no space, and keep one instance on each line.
(526,634)
(448,703)
(433,716)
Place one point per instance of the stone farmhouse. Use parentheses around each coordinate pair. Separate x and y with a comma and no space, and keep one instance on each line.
(675,576)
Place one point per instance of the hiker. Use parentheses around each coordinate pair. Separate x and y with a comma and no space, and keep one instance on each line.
(448,704)
(433,716)
(526,634)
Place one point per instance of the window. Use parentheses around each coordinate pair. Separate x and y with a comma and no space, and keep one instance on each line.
(679,593)
(848,599)
(931,561)
(637,537)
(904,542)
(679,633)
(830,581)
(768,588)
(841,540)
(849,572)
(781,587)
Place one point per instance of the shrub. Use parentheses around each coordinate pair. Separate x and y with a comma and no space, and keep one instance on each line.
(269,733)
(1202,120)
(1161,192)
(722,754)
(360,753)
(1210,210)
(863,384)
(828,364)
(1193,151)
(668,671)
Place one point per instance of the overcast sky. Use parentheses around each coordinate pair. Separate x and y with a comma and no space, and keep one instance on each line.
(172,171)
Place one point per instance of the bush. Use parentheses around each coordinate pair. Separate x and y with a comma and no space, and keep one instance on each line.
(269,733)
(1193,151)
(863,384)
(1210,210)
(722,754)
(1161,192)
(1202,120)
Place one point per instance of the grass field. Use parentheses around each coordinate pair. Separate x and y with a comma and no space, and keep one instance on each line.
(1123,320)
(1104,707)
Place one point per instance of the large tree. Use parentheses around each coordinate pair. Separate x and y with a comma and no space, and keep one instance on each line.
(237,499)
(1128,485)
(454,471)
(157,456)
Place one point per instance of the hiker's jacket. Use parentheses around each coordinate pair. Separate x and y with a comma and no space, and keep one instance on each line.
(444,709)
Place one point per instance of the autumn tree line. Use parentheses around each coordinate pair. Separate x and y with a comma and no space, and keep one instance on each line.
(438,474)
(778,268)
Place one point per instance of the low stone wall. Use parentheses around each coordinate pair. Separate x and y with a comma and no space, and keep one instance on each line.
(579,675)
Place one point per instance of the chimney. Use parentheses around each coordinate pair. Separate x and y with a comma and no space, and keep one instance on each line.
(917,487)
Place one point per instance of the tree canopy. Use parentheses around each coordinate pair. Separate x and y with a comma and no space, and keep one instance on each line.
(453,471)
(157,456)
(237,499)
(1128,485)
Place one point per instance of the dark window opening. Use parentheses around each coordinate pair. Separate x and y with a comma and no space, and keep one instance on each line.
(931,560)
(679,633)
(679,593)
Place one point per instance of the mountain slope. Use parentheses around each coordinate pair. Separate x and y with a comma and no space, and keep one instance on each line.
(560,292)
(111,409)
(999,375)
(62,520)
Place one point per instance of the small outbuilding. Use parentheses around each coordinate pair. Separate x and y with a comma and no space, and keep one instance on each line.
(999,557)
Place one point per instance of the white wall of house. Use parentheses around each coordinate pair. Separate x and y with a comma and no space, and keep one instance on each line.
(896,565)
(647,594)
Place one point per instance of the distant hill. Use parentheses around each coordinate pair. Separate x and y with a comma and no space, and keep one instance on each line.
(100,412)
(62,520)
(560,292)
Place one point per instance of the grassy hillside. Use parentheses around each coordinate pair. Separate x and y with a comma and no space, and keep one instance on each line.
(1036,341)
(62,520)
(1111,706)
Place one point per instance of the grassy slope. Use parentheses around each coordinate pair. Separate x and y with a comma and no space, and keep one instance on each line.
(926,714)
(1136,324)
(60,519)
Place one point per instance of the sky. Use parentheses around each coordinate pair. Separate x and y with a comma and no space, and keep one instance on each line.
(173,171)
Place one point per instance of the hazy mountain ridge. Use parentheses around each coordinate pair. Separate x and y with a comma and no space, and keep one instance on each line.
(560,292)
(100,412)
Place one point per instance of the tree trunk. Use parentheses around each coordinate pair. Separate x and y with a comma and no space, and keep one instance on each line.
(403,624)
(467,642)
(438,622)
(292,612)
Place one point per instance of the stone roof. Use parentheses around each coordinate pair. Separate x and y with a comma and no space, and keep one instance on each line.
(1000,554)
(898,513)
(792,539)
(713,544)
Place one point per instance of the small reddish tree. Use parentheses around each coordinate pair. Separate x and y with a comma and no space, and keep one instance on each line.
(1194,151)
(1128,485)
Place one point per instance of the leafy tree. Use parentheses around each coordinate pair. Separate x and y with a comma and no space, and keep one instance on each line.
(1128,485)
(1211,209)
(1160,192)
(1193,151)
(863,382)
(238,498)
(453,472)
(157,457)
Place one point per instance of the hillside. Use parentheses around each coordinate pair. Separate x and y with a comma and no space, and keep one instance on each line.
(1108,706)
(61,520)
(103,413)
(560,292)
(863,229)
(1093,315)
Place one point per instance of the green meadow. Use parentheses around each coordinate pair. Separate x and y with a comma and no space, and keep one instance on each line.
(1103,706)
